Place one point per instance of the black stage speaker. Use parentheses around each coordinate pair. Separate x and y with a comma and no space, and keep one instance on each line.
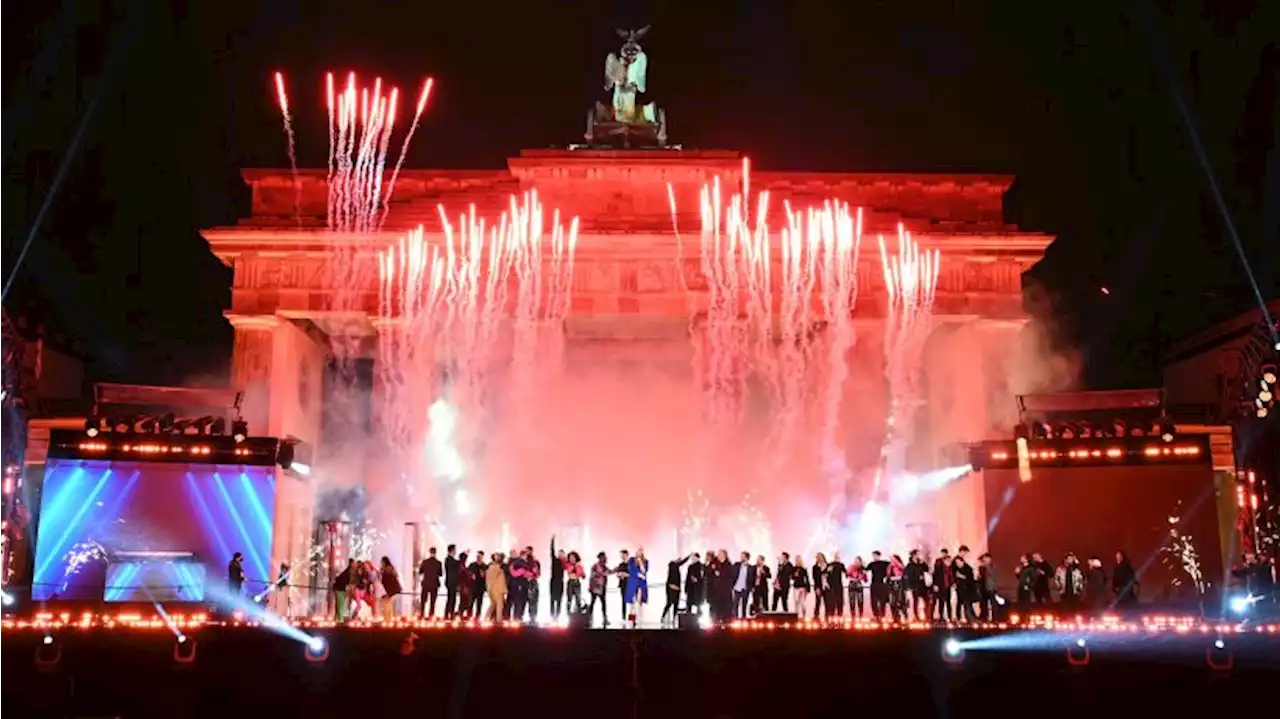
(579,620)
(781,619)
(687,620)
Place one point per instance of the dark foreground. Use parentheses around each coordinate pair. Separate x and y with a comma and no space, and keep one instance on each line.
(609,675)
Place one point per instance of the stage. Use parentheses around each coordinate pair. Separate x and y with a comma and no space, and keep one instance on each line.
(143,670)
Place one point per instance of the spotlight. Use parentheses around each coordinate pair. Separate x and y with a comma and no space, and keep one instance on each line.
(6,599)
(1020,431)
(1241,604)
(48,639)
(1262,413)
(1269,374)
(239,430)
(1166,430)
(182,639)
(952,648)
(316,645)
(1219,644)
(1265,395)
(1081,642)
(91,426)
(300,468)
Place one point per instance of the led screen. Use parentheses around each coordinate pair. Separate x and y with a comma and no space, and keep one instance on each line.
(132,531)
(158,578)
(1099,510)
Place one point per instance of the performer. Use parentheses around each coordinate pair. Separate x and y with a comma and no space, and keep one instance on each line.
(475,577)
(673,588)
(695,586)
(495,582)
(235,574)
(558,565)
(622,571)
(282,598)
(637,586)
(598,586)
(535,577)
(452,573)
(573,568)
(782,582)
(431,571)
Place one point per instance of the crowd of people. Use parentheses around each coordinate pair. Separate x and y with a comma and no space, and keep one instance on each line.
(949,587)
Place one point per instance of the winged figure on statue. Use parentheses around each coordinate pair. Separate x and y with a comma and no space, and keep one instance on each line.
(625,74)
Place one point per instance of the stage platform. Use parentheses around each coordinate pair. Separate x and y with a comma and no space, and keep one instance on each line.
(251,671)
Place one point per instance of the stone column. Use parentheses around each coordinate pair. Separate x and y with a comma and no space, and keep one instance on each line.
(251,365)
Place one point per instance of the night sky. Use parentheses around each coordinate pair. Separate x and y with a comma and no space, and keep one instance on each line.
(1081,104)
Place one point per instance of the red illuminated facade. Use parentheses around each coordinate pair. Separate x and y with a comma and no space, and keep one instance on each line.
(635,277)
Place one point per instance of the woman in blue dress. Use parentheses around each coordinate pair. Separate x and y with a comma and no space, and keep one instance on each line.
(637,585)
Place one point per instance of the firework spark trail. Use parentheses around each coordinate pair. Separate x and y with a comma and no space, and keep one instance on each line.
(447,301)
(283,98)
(404,147)
(911,280)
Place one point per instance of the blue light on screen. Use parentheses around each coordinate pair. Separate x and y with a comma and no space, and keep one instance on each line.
(97,518)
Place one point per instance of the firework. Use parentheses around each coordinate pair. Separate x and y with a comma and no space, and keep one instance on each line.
(911,280)
(1180,553)
(79,556)
(361,122)
(404,147)
(365,538)
(448,306)
(282,97)
(780,311)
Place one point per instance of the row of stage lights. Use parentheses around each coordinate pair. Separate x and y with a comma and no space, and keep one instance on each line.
(167,424)
(1152,452)
(149,449)
(1110,624)
(1118,428)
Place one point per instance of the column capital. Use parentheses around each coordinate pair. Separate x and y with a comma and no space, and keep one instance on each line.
(252,321)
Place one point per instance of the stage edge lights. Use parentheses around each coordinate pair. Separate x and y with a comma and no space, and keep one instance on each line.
(1078,653)
(1218,659)
(316,649)
(952,651)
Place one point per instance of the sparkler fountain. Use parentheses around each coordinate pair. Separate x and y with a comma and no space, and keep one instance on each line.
(477,325)
(911,279)
(785,336)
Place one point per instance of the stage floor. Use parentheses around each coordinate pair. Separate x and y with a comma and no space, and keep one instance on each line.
(143,671)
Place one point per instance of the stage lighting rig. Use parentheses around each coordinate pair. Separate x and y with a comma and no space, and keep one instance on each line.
(92,426)
(1020,431)
(239,430)
(1166,430)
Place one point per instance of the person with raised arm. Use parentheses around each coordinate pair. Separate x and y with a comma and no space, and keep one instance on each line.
(556,585)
